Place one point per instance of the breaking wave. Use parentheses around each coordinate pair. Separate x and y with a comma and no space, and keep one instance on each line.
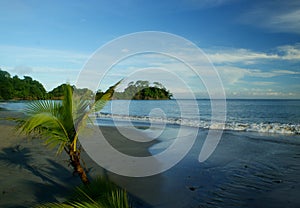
(274,128)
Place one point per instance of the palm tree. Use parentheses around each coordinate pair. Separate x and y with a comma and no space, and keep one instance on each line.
(59,124)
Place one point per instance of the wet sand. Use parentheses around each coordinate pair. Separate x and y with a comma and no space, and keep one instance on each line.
(32,174)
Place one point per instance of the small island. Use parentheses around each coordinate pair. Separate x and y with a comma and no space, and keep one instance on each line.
(141,90)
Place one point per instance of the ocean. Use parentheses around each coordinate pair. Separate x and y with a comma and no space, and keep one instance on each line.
(269,116)
(265,116)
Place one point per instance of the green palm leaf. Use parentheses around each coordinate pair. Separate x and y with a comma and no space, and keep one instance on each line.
(100,193)
(97,106)
(59,123)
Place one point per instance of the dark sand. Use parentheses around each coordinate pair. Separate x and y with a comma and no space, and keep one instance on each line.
(32,174)
(246,170)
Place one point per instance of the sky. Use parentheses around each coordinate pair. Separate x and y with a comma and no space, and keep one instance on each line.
(253,46)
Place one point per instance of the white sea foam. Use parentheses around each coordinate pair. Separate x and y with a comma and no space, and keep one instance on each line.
(276,128)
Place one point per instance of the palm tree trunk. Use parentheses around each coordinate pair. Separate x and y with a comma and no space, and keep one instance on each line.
(78,169)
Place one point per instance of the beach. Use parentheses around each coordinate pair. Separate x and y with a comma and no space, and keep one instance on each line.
(30,174)
(246,170)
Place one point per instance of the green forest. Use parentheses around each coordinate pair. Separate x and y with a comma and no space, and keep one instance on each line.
(141,90)
(15,88)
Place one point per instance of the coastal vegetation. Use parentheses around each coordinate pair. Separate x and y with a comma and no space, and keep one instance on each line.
(20,89)
(59,92)
(59,124)
(141,90)
(15,88)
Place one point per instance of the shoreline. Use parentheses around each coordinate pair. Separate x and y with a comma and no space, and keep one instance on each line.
(246,170)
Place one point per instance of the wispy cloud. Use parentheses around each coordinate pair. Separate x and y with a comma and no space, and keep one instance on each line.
(290,52)
(272,73)
(29,55)
(239,55)
(276,16)
(246,56)
(261,93)
(22,70)
(233,75)
(50,77)
(51,67)
(237,68)
(200,4)
(263,83)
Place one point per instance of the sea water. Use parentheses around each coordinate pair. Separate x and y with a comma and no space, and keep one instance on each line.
(270,116)
(250,115)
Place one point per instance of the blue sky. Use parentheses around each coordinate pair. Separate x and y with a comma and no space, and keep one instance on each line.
(254,45)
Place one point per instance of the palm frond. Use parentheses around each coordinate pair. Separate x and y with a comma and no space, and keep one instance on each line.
(43,106)
(80,108)
(54,205)
(56,142)
(72,205)
(67,110)
(101,193)
(43,123)
(97,106)
(104,98)
(118,199)
(43,118)
(95,190)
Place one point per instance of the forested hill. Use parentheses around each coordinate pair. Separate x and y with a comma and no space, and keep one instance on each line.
(14,88)
(141,90)
(58,93)
(20,89)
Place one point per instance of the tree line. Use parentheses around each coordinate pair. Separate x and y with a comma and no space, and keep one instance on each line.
(141,90)
(20,89)
(15,88)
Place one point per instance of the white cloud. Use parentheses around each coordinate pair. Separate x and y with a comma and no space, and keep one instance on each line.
(22,70)
(273,73)
(228,64)
(238,55)
(276,16)
(263,83)
(50,77)
(125,50)
(50,67)
(290,52)
(233,75)
(199,4)
(261,93)
(33,56)
(287,21)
